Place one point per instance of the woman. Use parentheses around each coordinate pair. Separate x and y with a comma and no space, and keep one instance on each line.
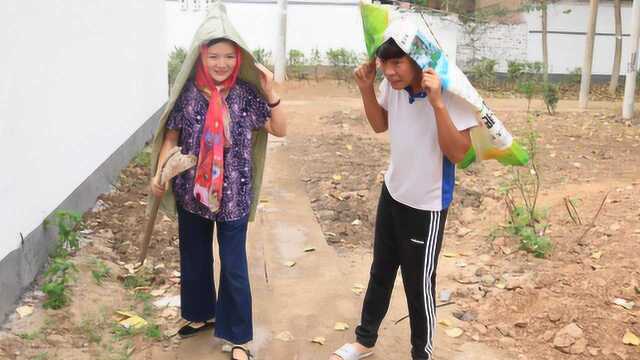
(216,117)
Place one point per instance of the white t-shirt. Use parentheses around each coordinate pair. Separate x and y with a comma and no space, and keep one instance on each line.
(420,176)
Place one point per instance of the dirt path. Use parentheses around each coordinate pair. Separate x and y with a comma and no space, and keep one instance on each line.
(329,140)
(308,299)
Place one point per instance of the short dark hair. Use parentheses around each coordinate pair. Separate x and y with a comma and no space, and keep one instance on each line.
(212,42)
(390,50)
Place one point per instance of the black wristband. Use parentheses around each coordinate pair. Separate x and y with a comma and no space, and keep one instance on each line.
(272,105)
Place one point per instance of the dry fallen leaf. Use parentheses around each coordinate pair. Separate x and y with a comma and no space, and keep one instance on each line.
(169,313)
(624,303)
(158,292)
(597,255)
(454,332)
(630,339)
(171,332)
(337,177)
(318,340)
(284,336)
(450,254)
(445,322)
(356,222)
(357,288)
(130,319)
(340,326)
(24,311)
(289,263)
(131,268)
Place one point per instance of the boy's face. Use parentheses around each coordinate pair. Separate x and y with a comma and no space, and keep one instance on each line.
(400,72)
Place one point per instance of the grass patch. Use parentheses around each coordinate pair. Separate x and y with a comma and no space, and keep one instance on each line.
(100,271)
(133,281)
(29,336)
(41,356)
(143,158)
(153,332)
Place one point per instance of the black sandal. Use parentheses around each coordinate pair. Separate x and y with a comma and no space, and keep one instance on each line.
(189,330)
(246,351)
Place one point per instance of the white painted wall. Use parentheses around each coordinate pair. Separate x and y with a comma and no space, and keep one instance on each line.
(566,52)
(309,26)
(501,42)
(329,25)
(77,78)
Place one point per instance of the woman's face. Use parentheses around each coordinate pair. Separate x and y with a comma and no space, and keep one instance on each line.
(221,59)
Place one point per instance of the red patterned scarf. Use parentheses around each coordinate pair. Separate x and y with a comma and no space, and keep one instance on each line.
(209,171)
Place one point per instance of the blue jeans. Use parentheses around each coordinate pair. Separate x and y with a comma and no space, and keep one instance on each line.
(232,308)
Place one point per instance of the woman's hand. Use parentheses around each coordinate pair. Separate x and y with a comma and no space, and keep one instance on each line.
(157,189)
(266,81)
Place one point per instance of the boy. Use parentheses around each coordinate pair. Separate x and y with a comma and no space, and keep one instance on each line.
(429,133)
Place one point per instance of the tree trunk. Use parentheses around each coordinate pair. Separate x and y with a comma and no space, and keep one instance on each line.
(585,81)
(615,73)
(545,46)
(628,105)
(280,66)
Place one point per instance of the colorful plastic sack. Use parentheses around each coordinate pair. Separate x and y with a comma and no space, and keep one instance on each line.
(491,140)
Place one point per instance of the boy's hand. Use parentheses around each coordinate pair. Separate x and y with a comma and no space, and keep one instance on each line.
(365,75)
(432,85)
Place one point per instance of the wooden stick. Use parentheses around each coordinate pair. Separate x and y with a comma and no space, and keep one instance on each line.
(148,230)
(595,217)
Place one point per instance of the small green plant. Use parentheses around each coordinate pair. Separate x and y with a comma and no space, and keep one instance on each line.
(530,230)
(515,71)
(528,87)
(551,96)
(120,332)
(262,56)
(296,57)
(29,336)
(152,331)
(100,271)
(315,60)
(574,77)
(90,328)
(143,296)
(343,62)
(61,272)
(176,58)
(126,351)
(484,72)
(147,309)
(57,278)
(143,158)
(68,223)
(41,356)
(525,220)
(133,281)
(297,62)
(518,71)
